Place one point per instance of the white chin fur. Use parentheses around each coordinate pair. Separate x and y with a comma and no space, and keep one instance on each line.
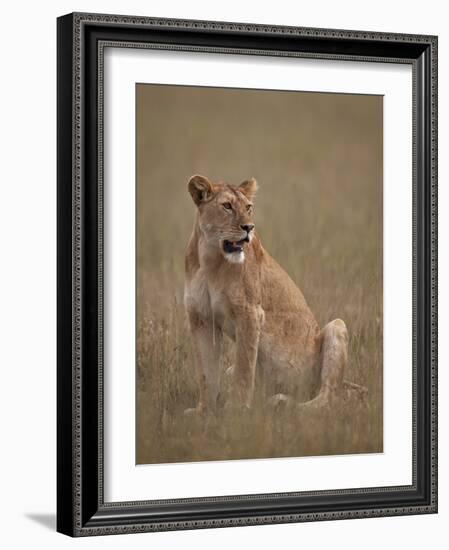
(235,257)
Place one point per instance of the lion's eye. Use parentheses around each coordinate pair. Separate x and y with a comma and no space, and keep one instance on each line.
(249,207)
(227,205)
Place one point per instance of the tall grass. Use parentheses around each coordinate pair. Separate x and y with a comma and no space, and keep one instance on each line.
(318,160)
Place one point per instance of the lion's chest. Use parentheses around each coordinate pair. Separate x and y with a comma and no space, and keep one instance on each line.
(209,301)
(220,310)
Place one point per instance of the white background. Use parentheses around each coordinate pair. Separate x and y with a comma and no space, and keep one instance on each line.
(123,480)
(27,274)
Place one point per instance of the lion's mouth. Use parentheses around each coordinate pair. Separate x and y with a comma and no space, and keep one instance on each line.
(234,246)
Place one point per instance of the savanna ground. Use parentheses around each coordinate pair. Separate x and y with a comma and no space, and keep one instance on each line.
(318,160)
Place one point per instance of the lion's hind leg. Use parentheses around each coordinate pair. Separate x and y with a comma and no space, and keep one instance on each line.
(334,358)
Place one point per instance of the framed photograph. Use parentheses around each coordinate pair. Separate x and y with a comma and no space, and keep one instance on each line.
(247,274)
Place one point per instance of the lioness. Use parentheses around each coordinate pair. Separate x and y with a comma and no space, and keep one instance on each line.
(234,286)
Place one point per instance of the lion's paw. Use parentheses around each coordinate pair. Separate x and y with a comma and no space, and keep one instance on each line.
(229,372)
(279,401)
(194,411)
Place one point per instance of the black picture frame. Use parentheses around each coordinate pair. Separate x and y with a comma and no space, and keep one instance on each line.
(81,509)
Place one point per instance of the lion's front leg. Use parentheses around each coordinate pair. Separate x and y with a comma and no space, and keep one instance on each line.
(247,342)
(207,342)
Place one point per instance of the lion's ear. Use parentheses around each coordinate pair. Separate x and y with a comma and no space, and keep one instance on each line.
(249,188)
(200,188)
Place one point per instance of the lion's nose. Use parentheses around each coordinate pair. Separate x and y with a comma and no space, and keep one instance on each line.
(248,227)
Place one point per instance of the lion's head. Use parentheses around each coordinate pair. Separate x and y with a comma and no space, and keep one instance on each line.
(225,214)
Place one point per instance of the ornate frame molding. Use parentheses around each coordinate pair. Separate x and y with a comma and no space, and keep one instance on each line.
(81,510)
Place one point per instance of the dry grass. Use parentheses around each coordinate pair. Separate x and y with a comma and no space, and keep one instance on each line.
(318,160)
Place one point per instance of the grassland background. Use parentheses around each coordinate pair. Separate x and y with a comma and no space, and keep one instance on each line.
(318,160)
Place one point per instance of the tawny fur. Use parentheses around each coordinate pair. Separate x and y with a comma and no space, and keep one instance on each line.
(248,296)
